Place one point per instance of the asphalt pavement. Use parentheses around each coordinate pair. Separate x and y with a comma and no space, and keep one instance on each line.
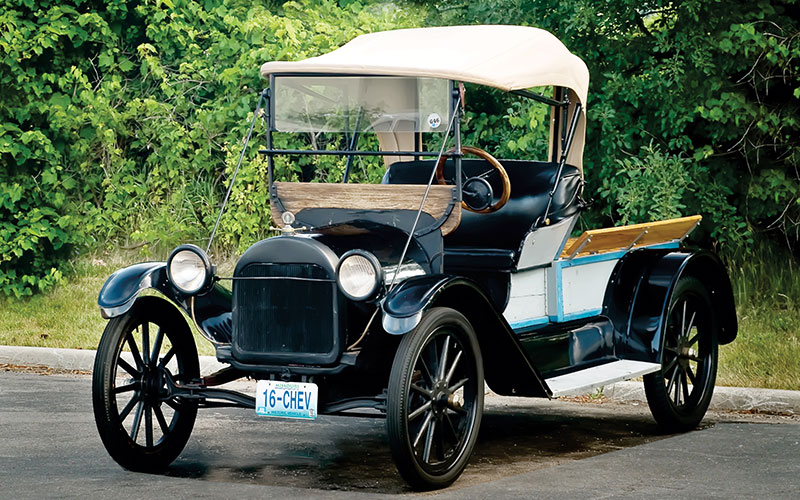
(527,448)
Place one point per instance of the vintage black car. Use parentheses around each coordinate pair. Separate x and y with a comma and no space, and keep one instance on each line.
(401,299)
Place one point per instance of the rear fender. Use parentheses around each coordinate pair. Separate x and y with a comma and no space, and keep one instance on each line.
(507,368)
(210,311)
(638,295)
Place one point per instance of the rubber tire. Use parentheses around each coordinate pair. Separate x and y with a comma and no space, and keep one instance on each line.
(668,417)
(399,382)
(115,438)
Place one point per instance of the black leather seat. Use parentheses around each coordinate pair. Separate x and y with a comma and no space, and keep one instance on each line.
(531,182)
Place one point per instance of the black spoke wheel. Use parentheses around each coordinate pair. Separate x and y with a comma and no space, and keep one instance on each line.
(435,399)
(142,428)
(679,393)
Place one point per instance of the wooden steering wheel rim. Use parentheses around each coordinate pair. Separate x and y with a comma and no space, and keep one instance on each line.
(504,195)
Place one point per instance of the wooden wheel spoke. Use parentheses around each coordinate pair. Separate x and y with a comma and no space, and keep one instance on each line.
(426,452)
(423,428)
(442,441)
(669,365)
(148,426)
(128,407)
(691,376)
(452,427)
(419,411)
(157,346)
(137,421)
(167,357)
(125,388)
(672,379)
(677,394)
(421,390)
(133,372)
(146,343)
(443,359)
(426,370)
(137,358)
(458,385)
(689,329)
(683,319)
(162,422)
(685,386)
(453,367)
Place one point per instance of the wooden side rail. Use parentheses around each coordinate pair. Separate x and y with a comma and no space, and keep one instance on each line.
(296,196)
(627,237)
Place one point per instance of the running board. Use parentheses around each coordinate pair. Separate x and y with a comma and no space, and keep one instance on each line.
(585,381)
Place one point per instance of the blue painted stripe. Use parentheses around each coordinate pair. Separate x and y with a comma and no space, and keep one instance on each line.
(577,315)
(529,322)
(602,257)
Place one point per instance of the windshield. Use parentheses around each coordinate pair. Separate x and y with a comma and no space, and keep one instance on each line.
(360,103)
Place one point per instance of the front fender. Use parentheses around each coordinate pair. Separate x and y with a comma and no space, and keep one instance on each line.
(123,286)
(210,311)
(639,293)
(507,368)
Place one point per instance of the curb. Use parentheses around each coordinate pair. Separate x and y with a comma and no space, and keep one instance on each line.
(725,398)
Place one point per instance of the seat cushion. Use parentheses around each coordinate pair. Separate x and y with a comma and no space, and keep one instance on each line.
(477,258)
(531,182)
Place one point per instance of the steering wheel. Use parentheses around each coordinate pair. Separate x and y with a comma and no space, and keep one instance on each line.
(505,194)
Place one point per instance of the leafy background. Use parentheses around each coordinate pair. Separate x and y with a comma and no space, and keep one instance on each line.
(121,121)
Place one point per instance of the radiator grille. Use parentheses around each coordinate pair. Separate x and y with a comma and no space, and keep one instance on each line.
(292,319)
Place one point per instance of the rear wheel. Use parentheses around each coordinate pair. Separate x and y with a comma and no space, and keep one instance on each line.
(435,399)
(141,427)
(679,393)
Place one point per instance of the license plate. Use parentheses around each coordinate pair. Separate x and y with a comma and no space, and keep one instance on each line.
(286,399)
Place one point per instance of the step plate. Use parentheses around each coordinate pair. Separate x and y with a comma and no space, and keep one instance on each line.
(585,381)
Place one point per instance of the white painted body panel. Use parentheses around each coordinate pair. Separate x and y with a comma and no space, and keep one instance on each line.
(583,287)
(528,296)
(544,245)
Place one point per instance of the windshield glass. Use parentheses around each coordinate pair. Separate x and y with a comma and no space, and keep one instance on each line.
(362,103)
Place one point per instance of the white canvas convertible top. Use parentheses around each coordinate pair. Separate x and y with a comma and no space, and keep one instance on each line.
(504,57)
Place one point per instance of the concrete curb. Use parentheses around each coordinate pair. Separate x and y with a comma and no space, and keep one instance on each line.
(725,398)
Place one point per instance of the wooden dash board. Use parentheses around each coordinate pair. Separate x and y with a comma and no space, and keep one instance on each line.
(296,196)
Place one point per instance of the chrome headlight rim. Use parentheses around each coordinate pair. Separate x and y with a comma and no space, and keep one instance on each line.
(378,274)
(207,269)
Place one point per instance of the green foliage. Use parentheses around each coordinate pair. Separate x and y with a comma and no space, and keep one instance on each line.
(651,187)
(121,121)
(714,82)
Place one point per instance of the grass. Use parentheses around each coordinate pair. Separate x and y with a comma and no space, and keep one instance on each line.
(766,285)
(766,353)
(67,316)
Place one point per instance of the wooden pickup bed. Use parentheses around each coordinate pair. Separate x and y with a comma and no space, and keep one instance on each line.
(632,236)
(296,196)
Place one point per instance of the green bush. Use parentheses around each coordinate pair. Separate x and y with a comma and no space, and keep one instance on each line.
(121,121)
(716,83)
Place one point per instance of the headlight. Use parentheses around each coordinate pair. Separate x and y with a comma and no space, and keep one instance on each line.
(189,269)
(359,275)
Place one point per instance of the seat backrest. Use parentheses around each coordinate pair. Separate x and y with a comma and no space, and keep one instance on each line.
(531,182)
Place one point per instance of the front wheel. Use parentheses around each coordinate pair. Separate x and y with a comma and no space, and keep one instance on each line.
(679,394)
(142,428)
(435,399)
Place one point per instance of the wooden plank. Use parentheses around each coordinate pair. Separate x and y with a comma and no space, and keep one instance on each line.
(634,235)
(296,196)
